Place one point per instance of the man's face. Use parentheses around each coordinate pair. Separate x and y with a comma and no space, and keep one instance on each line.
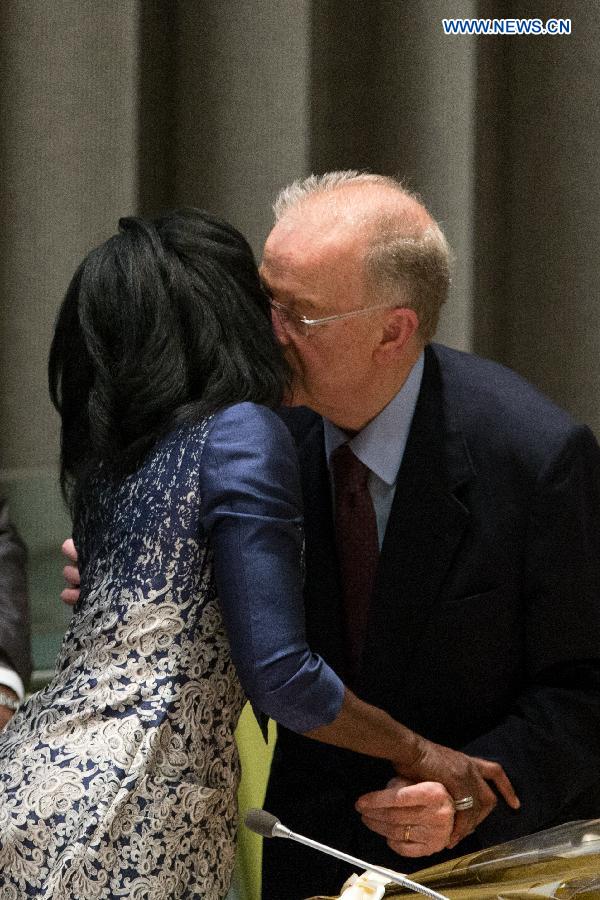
(315,271)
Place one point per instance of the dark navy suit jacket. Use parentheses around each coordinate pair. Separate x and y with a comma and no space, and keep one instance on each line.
(484,631)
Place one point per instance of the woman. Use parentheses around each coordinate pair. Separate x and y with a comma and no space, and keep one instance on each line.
(119,778)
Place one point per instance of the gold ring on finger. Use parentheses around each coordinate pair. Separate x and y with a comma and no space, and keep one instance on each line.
(406,835)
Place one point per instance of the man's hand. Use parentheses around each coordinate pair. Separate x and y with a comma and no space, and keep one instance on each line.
(463,776)
(70,595)
(415,819)
(5,712)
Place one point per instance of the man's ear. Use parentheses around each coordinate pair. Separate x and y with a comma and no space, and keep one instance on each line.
(401,324)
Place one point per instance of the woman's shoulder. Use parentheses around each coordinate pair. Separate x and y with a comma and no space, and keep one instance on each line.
(248,444)
(250,422)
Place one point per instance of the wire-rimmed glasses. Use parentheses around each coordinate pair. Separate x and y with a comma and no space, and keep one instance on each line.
(301,325)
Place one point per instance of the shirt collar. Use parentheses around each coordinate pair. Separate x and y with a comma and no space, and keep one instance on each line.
(381,444)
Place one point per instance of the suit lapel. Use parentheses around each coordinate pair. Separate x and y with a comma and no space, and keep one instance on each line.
(426,523)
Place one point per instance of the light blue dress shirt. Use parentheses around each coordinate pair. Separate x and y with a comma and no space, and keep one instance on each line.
(381,444)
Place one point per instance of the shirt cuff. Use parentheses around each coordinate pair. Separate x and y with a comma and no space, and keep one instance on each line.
(10,679)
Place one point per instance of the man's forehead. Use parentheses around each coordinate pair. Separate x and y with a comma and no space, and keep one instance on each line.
(294,241)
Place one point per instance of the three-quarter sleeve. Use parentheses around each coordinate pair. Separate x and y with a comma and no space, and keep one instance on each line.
(251,510)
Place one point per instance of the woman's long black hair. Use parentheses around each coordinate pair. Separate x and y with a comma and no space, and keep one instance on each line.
(164,323)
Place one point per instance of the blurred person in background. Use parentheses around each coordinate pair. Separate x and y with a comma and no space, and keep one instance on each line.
(15,653)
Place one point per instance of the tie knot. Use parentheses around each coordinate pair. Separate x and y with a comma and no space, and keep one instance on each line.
(349,473)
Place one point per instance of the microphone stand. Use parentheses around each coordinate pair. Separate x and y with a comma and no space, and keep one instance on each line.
(267,825)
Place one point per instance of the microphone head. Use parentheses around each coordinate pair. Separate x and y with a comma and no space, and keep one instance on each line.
(261,821)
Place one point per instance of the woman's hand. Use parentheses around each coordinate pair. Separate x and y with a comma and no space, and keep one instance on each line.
(367,729)
(415,819)
(429,807)
(466,778)
(70,594)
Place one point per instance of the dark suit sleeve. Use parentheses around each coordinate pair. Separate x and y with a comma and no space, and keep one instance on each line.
(549,743)
(14,612)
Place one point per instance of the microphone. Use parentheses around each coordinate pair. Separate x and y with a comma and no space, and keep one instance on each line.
(268,826)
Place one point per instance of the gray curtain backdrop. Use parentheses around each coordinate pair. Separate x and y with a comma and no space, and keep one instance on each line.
(114,106)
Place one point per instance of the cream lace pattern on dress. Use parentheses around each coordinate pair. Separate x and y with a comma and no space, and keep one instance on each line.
(119,778)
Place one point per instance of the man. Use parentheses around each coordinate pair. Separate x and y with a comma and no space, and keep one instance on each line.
(15,662)
(483,623)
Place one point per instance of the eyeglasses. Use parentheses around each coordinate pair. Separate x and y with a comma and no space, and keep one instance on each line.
(297,324)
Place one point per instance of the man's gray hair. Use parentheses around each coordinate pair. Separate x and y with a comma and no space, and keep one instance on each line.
(405,260)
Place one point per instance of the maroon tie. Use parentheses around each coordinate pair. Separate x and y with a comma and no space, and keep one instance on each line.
(357,545)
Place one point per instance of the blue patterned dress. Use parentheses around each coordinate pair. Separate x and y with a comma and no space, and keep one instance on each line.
(119,778)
